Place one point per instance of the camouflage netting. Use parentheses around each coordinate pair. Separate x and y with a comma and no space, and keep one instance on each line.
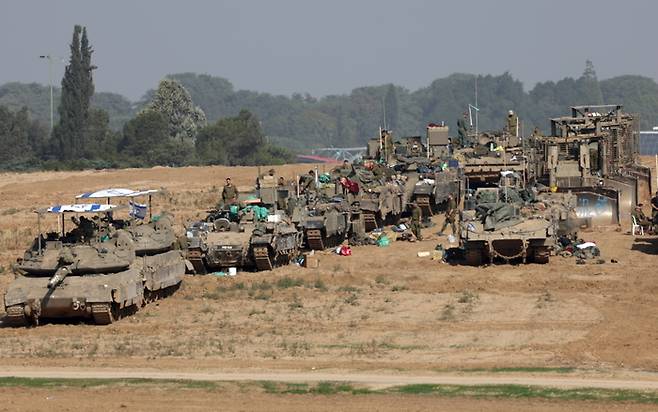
(496,216)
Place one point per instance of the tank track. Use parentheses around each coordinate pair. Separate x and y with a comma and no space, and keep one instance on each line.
(541,255)
(153,295)
(314,239)
(15,316)
(102,313)
(195,257)
(370,221)
(262,258)
(474,257)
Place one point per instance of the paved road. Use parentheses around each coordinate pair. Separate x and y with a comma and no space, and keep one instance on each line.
(641,382)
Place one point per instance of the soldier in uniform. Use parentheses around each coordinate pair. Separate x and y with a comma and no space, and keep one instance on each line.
(640,217)
(230,193)
(416,217)
(386,141)
(654,209)
(451,213)
(307,183)
(86,228)
(512,123)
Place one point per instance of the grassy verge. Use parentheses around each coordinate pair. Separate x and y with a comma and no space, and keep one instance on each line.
(92,383)
(340,388)
(520,369)
(521,391)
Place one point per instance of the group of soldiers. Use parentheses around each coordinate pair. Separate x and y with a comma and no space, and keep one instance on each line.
(451,216)
(308,187)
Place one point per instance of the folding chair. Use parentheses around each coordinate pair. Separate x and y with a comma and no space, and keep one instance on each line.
(636,228)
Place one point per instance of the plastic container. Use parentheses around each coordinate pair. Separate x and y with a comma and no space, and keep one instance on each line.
(273,218)
(232,271)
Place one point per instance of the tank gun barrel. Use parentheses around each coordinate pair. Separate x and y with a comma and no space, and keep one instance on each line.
(58,277)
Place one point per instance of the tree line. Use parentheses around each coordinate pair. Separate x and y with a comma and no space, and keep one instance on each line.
(201,119)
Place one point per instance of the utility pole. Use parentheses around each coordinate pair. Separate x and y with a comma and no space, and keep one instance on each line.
(477,110)
(50,82)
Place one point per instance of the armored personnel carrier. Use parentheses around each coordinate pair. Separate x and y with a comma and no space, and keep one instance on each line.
(83,273)
(508,222)
(220,241)
(499,232)
(274,243)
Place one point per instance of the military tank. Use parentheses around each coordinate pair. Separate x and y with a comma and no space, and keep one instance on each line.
(274,243)
(76,274)
(159,257)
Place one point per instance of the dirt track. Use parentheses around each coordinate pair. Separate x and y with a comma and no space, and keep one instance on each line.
(373,380)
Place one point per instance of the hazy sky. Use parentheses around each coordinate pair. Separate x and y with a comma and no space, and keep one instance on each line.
(330,46)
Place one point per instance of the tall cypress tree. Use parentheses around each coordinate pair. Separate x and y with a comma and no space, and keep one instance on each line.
(87,81)
(77,90)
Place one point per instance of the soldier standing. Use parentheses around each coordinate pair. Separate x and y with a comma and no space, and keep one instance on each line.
(512,123)
(416,217)
(450,216)
(654,209)
(308,184)
(230,193)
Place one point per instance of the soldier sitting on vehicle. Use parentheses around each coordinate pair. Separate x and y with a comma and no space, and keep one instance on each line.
(85,229)
(230,193)
(307,183)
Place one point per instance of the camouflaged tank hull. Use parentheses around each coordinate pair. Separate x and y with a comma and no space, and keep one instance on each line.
(214,251)
(277,245)
(98,297)
(382,205)
(529,241)
(154,237)
(325,227)
(162,271)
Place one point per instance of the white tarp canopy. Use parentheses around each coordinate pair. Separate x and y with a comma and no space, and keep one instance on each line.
(81,208)
(115,192)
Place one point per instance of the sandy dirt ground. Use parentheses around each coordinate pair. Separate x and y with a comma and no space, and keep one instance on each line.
(381,309)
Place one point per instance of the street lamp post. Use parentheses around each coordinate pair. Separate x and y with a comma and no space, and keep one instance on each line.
(50,82)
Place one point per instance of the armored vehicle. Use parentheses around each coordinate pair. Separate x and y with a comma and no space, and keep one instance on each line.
(274,243)
(325,224)
(83,273)
(381,198)
(510,221)
(221,240)
(594,154)
(499,231)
